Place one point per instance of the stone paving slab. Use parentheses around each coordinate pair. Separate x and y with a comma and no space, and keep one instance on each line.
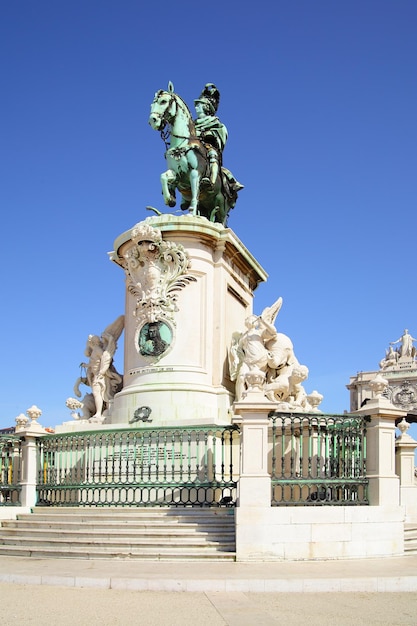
(397,574)
(30,605)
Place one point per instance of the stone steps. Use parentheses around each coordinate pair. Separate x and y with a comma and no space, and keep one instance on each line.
(153,534)
(50,529)
(410,538)
(83,538)
(135,511)
(155,554)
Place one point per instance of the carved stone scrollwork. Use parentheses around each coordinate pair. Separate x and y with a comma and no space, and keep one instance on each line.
(403,396)
(156,271)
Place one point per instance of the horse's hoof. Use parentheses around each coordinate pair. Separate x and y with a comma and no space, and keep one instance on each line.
(171,202)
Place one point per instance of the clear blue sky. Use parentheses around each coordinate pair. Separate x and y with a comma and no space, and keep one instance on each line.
(319,98)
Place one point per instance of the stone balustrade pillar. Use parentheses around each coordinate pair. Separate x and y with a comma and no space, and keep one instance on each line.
(255,481)
(29,430)
(404,465)
(384,484)
(29,471)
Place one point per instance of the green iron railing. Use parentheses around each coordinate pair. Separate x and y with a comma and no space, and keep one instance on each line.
(318,459)
(143,467)
(10,470)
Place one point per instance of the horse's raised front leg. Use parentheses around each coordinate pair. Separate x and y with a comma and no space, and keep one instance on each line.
(195,187)
(168,187)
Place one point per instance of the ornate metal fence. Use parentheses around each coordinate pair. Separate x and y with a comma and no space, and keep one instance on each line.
(10,470)
(195,466)
(318,459)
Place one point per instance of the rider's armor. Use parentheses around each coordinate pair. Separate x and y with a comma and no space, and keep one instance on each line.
(211,130)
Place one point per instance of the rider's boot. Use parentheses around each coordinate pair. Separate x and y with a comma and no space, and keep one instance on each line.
(208,183)
(214,172)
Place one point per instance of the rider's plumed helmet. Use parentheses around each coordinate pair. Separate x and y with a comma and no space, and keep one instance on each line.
(210,97)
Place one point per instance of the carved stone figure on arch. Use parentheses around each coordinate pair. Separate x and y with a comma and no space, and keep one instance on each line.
(390,359)
(406,340)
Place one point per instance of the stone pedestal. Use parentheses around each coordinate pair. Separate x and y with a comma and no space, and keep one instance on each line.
(191,283)
(28,483)
(255,481)
(384,484)
(404,466)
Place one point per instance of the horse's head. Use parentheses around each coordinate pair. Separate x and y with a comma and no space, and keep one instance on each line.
(163,109)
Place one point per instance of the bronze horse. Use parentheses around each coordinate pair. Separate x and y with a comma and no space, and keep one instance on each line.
(187,159)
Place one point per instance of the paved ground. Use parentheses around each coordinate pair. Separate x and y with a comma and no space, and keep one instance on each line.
(36,606)
(111,593)
(362,575)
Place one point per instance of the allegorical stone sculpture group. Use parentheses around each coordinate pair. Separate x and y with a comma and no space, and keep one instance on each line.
(263,358)
(405,351)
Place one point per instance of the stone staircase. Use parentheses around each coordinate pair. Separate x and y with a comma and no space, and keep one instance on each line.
(410,538)
(162,534)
